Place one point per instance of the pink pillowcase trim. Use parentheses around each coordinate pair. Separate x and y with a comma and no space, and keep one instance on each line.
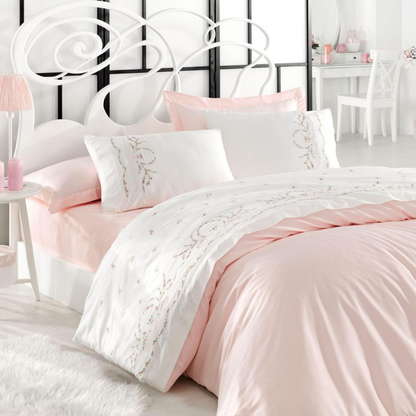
(56,204)
(184,110)
(66,184)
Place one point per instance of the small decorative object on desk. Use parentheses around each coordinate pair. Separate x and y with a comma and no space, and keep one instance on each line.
(1,176)
(409,57)
(341,48)
(15,174)
(353,41)
(7,266)
(365,57)
(315,45)
(327,57)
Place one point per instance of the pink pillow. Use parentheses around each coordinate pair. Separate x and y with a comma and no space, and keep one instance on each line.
(68,183)
(186,110)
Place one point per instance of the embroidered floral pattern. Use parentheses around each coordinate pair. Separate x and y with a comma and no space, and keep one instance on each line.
(126,190)
(138,150)
(323,139)
(306,142)
(138,155)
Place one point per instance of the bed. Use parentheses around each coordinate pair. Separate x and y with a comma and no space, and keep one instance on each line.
(61,139)
(290,292)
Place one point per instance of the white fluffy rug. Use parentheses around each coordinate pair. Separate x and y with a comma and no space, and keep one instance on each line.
(40,377)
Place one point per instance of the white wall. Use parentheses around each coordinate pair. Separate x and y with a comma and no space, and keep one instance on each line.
(408,83)
(283,20)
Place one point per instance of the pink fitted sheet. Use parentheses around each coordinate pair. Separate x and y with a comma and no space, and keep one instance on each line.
(80,235)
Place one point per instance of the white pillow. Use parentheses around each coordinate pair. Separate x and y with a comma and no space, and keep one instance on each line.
(145,170)
(265,143)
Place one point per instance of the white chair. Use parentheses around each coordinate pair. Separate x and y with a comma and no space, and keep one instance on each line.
(383,91)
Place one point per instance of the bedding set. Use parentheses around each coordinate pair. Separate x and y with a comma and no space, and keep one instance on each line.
(258,267)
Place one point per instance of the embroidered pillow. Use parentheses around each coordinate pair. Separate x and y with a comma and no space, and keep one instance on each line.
(144,170)
(185,110)
(267,143)
(67,184)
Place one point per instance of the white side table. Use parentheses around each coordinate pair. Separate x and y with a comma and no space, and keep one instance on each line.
(19,197)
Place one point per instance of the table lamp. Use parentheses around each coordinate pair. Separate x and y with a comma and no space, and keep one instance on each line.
(14,96)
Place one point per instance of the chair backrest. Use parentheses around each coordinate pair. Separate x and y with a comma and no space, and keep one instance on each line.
(385,74)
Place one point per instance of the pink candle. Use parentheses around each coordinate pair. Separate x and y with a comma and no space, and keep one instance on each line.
(1,176)
(15,174)
(365,57)
(327,58)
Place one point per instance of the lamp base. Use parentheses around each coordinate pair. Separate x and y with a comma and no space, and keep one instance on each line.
(10,117)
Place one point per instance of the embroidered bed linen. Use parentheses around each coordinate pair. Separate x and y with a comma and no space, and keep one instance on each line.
(145,170)
(160,276)
(80,235)
(185,110)
(267,143)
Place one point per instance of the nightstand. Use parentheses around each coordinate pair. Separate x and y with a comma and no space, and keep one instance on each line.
(19,197)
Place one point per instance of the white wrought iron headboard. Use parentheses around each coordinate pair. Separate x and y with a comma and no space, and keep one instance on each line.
(60,140)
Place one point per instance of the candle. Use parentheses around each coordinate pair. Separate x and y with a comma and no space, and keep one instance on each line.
(365,57)
(15,174)
(327,58)
(1,176)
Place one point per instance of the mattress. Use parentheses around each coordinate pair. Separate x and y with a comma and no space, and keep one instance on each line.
(80,235)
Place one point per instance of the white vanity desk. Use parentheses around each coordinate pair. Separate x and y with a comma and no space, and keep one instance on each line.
(344,70)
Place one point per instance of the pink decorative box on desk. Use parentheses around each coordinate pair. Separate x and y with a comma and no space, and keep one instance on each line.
(15,174)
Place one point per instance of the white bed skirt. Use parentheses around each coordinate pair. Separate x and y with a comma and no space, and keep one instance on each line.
(59,280)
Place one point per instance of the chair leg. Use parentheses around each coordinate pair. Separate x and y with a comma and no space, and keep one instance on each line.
(383,122)
(370,126)
(393,116)
(365,126)
(339,122)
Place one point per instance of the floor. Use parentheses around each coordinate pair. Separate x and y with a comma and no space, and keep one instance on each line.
(21,315)
(353,150)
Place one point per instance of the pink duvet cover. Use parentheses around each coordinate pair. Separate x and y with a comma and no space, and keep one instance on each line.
(290,295)
(321,323)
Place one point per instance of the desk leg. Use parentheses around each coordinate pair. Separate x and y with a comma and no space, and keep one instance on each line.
(29,247)
(319,92)
(353,90)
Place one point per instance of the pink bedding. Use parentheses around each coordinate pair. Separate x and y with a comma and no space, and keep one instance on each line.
(290,295)
(80,235)
(340,333)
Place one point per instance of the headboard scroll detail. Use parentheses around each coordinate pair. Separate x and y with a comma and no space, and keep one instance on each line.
(60,140)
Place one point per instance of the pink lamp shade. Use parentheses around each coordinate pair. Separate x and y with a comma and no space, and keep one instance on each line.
(15,93)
